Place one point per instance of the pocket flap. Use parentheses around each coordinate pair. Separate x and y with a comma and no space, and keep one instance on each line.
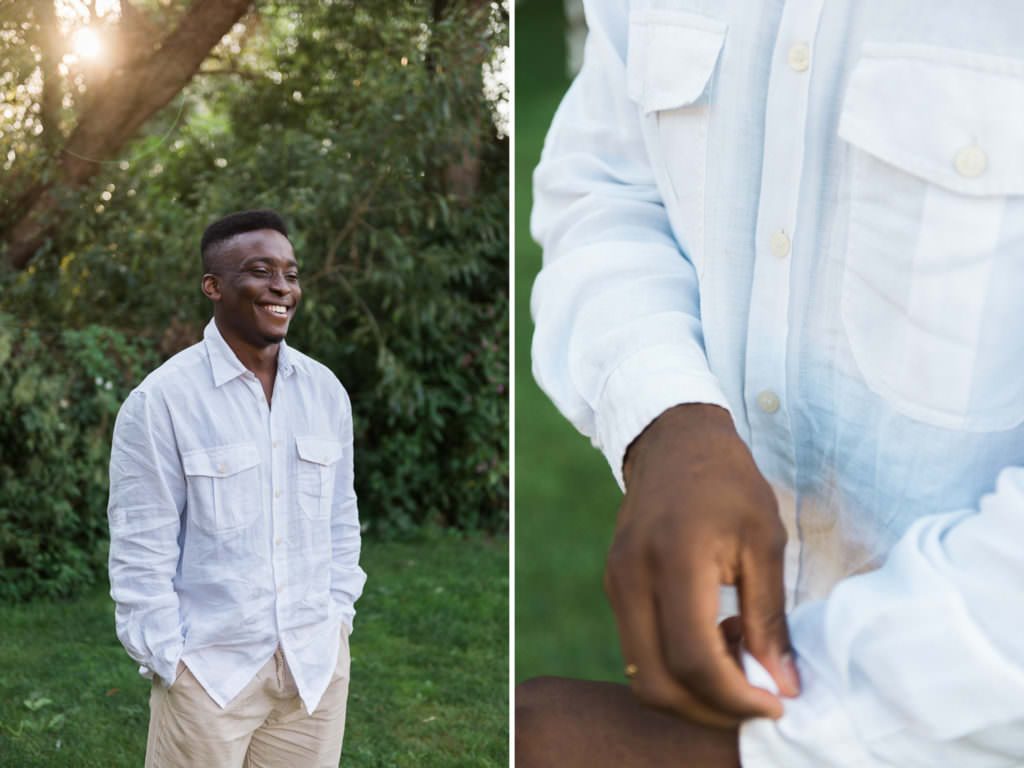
(951,117)
(223,461)
(319,450)
(671,57)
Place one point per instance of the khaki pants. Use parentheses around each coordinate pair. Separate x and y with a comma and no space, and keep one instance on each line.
(265,726)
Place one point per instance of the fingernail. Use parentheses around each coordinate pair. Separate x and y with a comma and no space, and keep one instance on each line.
(790,677)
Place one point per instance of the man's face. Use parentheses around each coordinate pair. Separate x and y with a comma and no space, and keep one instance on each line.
(256,288)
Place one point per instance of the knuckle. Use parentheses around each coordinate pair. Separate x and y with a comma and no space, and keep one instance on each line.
(774,623)
(777,537)
(769,539)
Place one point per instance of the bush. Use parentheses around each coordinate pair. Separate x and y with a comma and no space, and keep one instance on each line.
(59,393)
(378,147)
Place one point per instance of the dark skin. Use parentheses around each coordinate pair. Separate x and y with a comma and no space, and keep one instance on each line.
(564,723)
(254,287)
(697,513)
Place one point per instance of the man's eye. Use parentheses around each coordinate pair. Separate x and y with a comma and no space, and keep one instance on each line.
(260,271)
(292,277)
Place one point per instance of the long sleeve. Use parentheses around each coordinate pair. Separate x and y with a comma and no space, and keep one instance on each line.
(347,578)
(618,336)
(920,663)
(147,496)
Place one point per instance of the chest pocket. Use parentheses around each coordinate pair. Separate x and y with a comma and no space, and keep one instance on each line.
(669,66)
(932,299)
(316,472)
(223,486)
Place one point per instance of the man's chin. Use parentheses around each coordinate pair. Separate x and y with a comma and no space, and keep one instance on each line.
(274,335)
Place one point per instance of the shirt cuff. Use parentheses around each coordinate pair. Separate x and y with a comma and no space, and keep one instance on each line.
(640,389)
(165,668)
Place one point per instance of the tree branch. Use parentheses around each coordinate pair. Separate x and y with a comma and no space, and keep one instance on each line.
(129,97)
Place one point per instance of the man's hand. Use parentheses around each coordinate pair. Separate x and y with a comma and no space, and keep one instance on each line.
(697,514)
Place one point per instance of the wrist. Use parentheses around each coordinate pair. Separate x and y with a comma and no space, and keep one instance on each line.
(711,425)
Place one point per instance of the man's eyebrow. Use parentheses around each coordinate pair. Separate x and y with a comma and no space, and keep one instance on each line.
(269,260)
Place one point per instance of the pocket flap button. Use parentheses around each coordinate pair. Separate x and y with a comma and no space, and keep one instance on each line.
(970,161)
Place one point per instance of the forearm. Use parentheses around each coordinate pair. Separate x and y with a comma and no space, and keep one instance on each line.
(147,615)
(618,336)
(147,493)
(347,578)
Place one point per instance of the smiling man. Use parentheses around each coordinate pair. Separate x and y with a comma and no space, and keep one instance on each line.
(234,552)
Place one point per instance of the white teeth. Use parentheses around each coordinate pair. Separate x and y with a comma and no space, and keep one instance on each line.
(277,309)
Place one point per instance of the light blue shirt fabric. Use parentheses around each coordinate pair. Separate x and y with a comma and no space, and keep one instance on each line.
(233,525)
(812,214)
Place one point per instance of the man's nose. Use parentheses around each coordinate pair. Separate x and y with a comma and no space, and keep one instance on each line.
(278,284)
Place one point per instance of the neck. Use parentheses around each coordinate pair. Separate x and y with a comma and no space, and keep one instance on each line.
(260,360)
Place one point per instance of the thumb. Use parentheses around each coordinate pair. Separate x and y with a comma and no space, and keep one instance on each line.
(762,594)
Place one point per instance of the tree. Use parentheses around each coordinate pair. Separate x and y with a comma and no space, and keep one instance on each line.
(147,69)
(351,118)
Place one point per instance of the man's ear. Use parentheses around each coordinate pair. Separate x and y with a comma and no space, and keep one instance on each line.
(211,286)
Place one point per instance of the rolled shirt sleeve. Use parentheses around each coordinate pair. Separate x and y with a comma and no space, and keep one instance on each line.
(347,577)
(147,496)
(618,336)
(917,664)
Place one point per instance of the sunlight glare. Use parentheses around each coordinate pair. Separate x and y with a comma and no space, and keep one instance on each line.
(87,43)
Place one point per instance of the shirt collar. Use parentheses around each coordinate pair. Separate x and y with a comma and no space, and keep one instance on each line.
(225,365)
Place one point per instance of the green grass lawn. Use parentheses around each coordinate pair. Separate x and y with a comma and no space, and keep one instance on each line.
(565,495)
(429,668)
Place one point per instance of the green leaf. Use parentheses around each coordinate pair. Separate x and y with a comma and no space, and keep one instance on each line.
(36,704)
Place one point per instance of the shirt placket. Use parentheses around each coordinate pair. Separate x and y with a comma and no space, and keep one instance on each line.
(273,483)
(766,387)
(278,456)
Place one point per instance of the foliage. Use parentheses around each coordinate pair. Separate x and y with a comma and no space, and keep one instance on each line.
(429,667)
(59,394)
(371,133)
(565,494)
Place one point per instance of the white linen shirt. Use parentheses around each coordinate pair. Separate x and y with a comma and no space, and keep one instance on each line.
(812,214)
(233,525)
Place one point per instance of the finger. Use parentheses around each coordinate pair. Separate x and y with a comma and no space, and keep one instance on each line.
(762,594)
(629,591)
(694,649)
(731,628)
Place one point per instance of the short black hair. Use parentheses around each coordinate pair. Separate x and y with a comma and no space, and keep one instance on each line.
(226,227)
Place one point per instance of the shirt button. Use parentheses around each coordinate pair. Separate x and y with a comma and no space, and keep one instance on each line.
(970,161)
(768,402)
(222,469)
(278,541)
(799,57)
(275,443)
(779,244)
(277,494)
(280,590)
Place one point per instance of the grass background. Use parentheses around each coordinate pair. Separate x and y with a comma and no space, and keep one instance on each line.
(565,495)
(429,668)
